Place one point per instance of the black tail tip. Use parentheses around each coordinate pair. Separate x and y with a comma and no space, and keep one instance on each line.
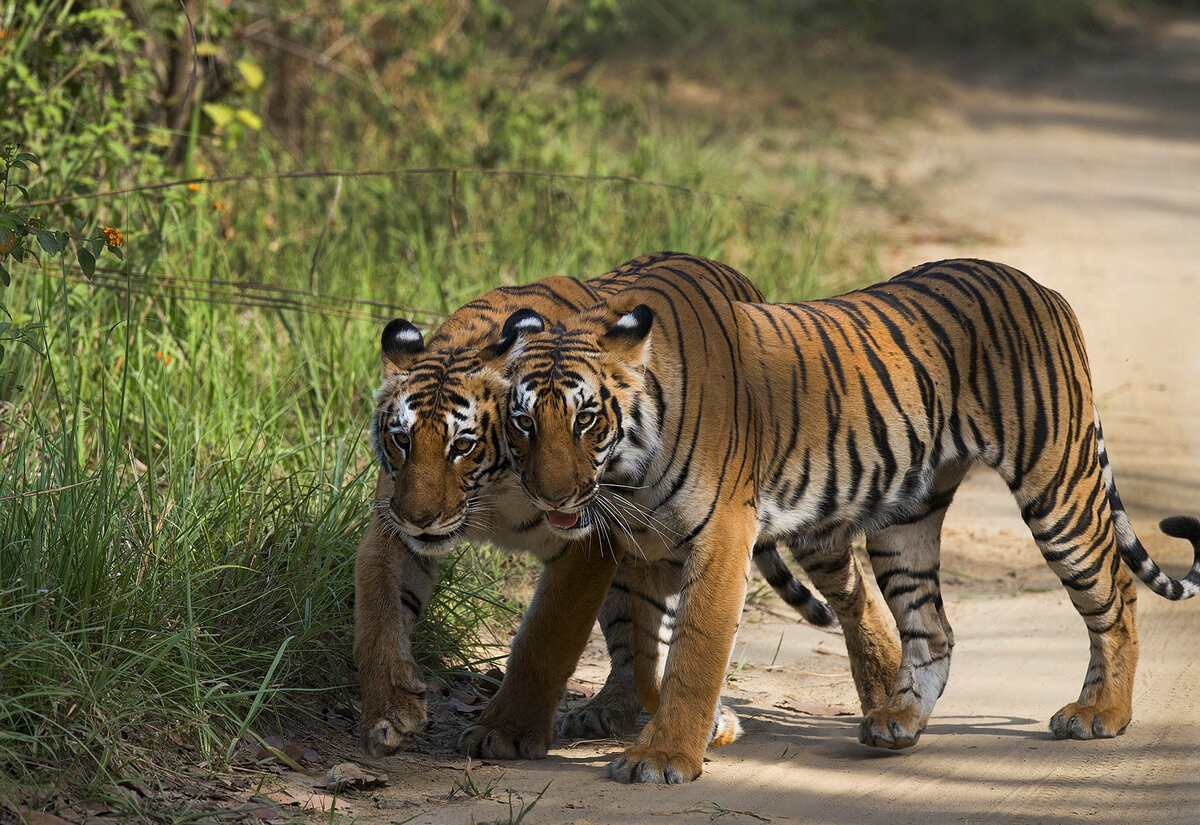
(1181,527)
(820,614)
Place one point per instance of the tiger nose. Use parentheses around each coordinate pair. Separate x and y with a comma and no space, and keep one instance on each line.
(425,521)
(556,502)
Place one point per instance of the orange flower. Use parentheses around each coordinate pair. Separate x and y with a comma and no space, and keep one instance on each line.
(165,357)
(113,237)
(194,187)
(216,205)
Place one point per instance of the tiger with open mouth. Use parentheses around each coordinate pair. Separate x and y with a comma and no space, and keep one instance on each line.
(741,424)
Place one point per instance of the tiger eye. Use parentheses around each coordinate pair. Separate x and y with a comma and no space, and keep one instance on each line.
(584,419)
(523,422)
(463,445)
(401,440)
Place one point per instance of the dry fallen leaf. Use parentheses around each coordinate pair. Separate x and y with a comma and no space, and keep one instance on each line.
(491,681)
(281,797)
(324,803)
(43,818)
(350,777)
(579,689)
(256,808)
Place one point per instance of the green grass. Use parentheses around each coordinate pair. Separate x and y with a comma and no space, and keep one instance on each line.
(185,479)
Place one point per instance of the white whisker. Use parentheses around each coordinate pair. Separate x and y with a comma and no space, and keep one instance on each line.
(620,521)
(645,517)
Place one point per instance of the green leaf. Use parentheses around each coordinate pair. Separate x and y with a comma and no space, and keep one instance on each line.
(251,73)
(80,223)
(220,114)
(48,242)
(208,49)
(5,278)
(25,156)
(249,118)
(1,354)
(87,262)
(116,250)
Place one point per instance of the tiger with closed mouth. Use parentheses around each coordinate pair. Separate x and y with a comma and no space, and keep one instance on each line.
(739,424)
(444,478)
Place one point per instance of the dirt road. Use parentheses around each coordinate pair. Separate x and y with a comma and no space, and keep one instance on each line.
(1090,181)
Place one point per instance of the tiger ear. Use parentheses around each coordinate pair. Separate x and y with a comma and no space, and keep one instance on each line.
(400,342)
(631,330)
(520,323)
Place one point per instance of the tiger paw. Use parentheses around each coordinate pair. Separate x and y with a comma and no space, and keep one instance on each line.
(893,728)
(601,718)
(1076,721)
(726,727)
(653,766)
(389,729)
(503,742)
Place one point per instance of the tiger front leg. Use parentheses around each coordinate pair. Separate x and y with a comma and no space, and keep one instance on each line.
(614,709)
(670,749)
(518,722)
(391,588)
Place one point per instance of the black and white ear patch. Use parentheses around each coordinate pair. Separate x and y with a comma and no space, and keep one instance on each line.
(521,322)
(634,324)
(401,338)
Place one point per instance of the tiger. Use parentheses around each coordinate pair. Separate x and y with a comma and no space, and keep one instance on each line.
(739,424)
(443,479)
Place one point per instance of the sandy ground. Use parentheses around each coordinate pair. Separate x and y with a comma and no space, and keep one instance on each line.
(1088,178)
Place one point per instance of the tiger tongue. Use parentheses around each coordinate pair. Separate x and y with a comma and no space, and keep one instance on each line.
(560,519)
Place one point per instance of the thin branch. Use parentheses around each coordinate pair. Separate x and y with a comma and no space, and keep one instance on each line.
(418,172)
(31,493)
(268,38)
(312,267)
(187,93)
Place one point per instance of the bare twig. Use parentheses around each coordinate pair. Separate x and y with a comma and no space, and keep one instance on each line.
(424,171)
(31,493)
(312,267)
(269,38)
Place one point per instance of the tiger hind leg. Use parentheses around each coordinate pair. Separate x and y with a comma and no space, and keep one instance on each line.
(870,643)
(614,709)
(906,561)
(1074,529)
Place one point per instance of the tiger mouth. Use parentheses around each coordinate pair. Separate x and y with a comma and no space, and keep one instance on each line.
(579,520)
(435,544)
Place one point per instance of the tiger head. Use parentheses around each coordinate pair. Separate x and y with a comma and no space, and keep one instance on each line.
(438,437)
(582,409)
